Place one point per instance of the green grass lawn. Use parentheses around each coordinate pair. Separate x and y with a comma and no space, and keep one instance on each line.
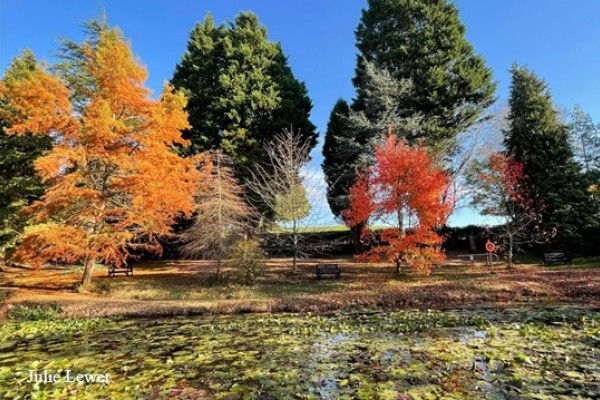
(313,229)
(325,228)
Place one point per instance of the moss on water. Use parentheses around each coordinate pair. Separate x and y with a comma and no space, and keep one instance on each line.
(515,354)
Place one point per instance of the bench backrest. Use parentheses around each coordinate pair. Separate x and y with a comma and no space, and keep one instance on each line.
(328,268)
(554,256)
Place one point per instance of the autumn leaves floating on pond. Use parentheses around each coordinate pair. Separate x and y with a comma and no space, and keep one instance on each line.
(361,354)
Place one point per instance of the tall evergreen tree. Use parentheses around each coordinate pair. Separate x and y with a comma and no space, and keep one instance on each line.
(537,139)
(19,183)
(339,167)
(353,134)
(294,108)
(416,75)
(198,75)
(423,42)
(241,90)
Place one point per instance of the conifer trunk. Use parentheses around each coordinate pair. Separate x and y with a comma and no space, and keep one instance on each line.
(88,272)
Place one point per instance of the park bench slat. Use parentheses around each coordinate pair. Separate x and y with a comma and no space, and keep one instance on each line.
(557,257)
(328,269)
(127,270)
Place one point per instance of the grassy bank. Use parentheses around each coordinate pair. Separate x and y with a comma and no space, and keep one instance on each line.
(180,288)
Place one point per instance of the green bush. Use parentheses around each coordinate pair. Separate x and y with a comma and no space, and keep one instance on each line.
(29,312)
(4,294)
(101,287)
(248,256)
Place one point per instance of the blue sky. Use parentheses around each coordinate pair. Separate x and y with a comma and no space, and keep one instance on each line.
(559,39)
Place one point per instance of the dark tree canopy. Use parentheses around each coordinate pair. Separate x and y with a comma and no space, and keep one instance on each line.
(19,183)
(293,110)
(423,41)
(241,90)
(537,139)
(338,165)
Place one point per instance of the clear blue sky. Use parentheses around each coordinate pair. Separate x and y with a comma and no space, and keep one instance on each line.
(559,39)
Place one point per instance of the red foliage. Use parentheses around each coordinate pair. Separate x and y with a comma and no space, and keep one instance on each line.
(407,186)
(510,175)
(361,206)
(501,190)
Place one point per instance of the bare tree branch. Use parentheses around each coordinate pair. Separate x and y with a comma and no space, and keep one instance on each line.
(222,217)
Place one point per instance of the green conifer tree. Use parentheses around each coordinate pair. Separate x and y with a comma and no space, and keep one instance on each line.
(19,184)
(423,42)
(339,161)
(536,138)
(241,91)
(416,75)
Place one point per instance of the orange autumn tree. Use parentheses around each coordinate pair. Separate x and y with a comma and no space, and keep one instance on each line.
(114,181)
(404,188)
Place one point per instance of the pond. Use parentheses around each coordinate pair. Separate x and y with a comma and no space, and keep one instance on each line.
(365,354)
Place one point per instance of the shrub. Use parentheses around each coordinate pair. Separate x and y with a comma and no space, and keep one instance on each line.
(29,312)
(4,294)
(102,287)
(247,256)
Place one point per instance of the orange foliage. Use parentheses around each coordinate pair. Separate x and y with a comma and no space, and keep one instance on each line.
(113,176)
(38,103)
(404,184)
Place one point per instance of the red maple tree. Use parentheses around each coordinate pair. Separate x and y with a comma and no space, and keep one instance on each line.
(404,188)
(500,189)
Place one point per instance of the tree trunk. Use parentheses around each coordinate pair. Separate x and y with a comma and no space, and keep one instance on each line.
(220,216)
(510,251)
(295,261)
(356,238)
(295,240)
(88,271)
(402,230)
(585,157)
(401,227)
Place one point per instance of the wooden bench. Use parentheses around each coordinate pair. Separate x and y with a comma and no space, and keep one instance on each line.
(328,269)
(113,270)
(557,257)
